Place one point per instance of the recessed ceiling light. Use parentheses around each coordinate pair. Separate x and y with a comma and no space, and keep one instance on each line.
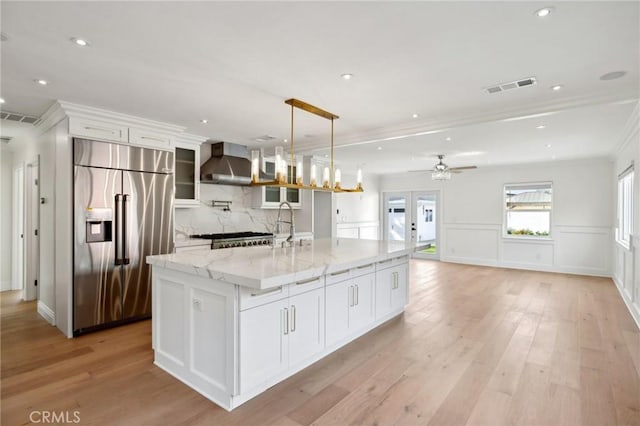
(80,41)
(613,75)
(415,115)
(540,127)
(448,139)
(556,87)
(1,101)
(284,140)
(379,148)
(204,121)
(347,76)
(548,145)
(41,81)
(326,156)
(545,11)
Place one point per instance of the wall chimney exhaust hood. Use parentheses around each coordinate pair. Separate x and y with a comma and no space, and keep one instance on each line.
(229,165)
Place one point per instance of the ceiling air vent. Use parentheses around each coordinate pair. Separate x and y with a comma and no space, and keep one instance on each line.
(264,138)
(530,81)
(21,118)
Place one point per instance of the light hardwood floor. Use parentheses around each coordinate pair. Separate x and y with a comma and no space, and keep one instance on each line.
(476,346)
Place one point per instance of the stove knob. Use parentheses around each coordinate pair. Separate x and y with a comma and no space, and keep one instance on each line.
(255,243)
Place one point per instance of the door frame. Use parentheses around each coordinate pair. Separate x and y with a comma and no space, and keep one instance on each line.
(31,230)
(18,267)
(437,212)
(410,220)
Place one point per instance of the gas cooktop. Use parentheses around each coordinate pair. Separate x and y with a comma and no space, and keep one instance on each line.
(236,239)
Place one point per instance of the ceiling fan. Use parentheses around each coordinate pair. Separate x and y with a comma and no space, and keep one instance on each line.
(443,172)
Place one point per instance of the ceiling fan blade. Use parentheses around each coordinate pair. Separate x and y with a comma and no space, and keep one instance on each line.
(420,171)
(463,168)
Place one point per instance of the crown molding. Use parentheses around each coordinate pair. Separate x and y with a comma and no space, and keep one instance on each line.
(444,123)
(83,111)
(190,138)
(629,133)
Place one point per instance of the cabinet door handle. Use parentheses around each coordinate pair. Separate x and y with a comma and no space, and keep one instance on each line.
(333,274)
(265,292)
(99,129)
(293,318)
(286,321)
(356,302)
(311,280)
(151,138)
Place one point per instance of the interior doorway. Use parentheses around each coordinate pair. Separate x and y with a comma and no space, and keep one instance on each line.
(414,216)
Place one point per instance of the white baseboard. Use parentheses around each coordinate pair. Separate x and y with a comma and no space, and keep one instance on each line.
(5,285)
(633,309)
(46,313)
(594,272)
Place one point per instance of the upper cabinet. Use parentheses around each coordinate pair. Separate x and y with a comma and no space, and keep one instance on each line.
(270,197)
(98,124)
(187,170)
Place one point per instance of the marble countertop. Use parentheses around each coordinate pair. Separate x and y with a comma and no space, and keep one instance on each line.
(263,267)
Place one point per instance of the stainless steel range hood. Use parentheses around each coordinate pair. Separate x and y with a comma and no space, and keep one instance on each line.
(229,165)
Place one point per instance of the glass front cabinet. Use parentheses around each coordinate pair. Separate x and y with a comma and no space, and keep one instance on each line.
(187,173)
(270,197)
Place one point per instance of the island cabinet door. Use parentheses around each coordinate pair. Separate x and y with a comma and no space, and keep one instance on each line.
(361,313)
(306,325)
(399,285)
(264,333)
(338,300)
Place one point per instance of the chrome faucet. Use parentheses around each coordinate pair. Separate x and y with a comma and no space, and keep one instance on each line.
(279,221)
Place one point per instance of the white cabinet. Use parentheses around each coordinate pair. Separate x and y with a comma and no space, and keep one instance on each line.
(187,173)
(306,325)
(280,334)
(350,306)
(391,287)
(100,130)
(151,139)
(270,197)
(263,343)
(113,130)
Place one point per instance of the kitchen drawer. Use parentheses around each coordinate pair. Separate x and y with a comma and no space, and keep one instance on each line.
(151,139)
(303,286)
(101,130)
(250,297)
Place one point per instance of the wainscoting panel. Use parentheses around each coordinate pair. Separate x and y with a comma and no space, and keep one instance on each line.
(527,253)
(583,250)
(471,243)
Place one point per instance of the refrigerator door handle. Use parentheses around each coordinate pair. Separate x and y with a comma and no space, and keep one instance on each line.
(117,259)
(125,254)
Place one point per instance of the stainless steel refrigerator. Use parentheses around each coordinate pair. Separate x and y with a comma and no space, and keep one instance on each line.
(123,212)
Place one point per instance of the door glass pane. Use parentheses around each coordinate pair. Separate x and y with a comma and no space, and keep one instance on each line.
(425,220)
(271,193)
(293,195)
(184,174)
(396,218)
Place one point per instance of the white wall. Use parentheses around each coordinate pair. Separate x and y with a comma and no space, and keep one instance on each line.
(626,269)
(358,214)
(6,216)
(472,216)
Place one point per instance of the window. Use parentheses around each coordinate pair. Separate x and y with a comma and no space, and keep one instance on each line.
(625,207)
(528,209)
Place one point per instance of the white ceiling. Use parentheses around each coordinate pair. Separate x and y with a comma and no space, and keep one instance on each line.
(234,63)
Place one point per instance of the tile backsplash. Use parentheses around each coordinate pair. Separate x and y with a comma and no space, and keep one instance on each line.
(206,219)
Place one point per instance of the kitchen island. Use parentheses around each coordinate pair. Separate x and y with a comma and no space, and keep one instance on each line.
(231,323)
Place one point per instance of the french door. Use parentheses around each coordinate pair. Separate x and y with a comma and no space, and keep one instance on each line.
(413,216)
